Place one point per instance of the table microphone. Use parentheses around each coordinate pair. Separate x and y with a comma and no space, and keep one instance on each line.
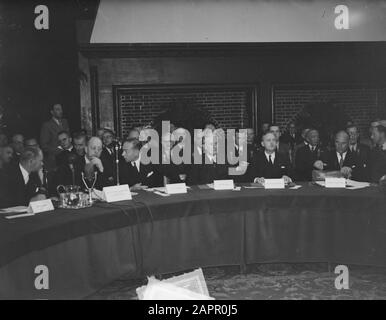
(71,160)
(117,146)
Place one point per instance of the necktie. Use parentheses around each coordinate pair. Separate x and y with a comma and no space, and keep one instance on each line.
(341,160)
(270,160)
(135,166)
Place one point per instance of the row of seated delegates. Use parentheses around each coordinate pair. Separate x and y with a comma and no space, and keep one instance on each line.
(352,158)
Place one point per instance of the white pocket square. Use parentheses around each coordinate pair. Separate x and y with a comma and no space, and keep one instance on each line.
(149,174)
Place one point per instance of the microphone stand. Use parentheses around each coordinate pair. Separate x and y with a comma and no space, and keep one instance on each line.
(72,173)
(117,147)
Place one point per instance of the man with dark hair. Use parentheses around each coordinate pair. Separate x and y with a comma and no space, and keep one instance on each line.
(21,183)
(307,155)
(133,172)
(65,148)
(378,154)
(360,152)
(268,163)
(79,143)
(49,134)
(281,147)
(31,142)
(6,153)
(17,144)
(291,136)
(108,154)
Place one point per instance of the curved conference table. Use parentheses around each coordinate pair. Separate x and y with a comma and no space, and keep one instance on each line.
(86,249)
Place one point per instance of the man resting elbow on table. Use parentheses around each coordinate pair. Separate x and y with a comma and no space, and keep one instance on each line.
(268,163)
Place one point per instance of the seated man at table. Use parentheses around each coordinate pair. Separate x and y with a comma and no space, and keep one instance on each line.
(21,184)
(307,155)
(268,163)
(339,159)
(378,154)
(360,152)
(71,172)
(133,172)
(211,168)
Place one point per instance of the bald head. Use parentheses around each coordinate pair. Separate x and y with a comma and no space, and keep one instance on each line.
(94,148)
(341,141)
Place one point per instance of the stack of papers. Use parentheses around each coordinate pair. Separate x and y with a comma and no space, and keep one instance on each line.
(189,286)
(18,209)
(350,184)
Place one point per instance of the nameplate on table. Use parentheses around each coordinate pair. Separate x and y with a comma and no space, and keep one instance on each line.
(335,183)
(274,184)
(223,184)
(176,188)
(117,193)
(40,206)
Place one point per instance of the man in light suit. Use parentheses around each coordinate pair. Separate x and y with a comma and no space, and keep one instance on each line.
(49,135)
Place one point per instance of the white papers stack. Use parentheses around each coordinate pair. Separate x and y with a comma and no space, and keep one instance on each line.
(189,286)
(352,185)
(18,209)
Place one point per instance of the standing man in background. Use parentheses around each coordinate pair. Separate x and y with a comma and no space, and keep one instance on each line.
(49,135)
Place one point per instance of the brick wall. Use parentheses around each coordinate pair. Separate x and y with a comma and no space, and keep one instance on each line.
(228,107)
(361,105)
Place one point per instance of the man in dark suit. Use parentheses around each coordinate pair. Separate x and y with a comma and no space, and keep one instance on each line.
(17,144)
(268,163)
(133,170)
(108,155)
(65,148)
(21,184)
(49,135)
(378,154)
(89,164)
(6,154)
(281,147)
(307,155)
(339,159)
(360,152)
(291,136)
(213,167)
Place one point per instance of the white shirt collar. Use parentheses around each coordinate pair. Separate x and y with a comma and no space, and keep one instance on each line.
(56,120)
(343,155)
(137,163)
(383,147)
(272,156)
(25,174)
(355,146)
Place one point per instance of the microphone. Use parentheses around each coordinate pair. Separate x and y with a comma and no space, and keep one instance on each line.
(71,159)
(118,146)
